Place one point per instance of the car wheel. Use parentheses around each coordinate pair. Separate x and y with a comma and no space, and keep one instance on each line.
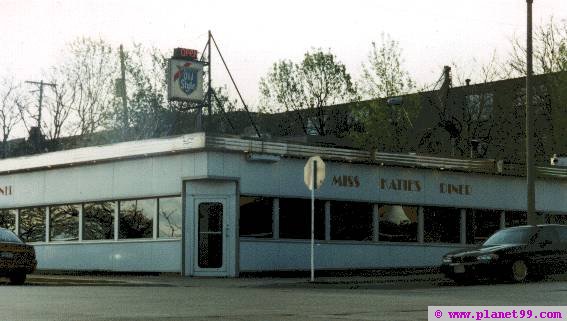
(17,278)
(519,271)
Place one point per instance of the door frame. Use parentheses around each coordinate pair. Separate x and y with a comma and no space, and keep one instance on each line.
(210,187)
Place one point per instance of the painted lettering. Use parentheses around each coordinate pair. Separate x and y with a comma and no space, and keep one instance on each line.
(459,189)
(6,190)
(398,184)
(346,181)
(417,186)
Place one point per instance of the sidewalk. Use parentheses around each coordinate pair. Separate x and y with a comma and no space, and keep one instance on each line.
(347,279)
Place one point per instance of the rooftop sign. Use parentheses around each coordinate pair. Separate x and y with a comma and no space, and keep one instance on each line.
(184,53)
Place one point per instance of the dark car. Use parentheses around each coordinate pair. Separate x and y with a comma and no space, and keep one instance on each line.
(515,253)
(17,259)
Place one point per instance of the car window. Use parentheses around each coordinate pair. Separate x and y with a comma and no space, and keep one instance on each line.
(8,236)
(562,231)
(510,236)
(546,234)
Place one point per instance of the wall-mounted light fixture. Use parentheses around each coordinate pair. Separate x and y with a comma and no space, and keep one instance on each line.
(258,157)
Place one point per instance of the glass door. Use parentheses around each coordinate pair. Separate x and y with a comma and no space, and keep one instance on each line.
(210,243)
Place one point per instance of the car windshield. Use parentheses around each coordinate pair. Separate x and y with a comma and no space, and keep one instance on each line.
(510,236)
(8,236)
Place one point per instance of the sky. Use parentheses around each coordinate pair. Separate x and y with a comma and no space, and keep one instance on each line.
(252,35)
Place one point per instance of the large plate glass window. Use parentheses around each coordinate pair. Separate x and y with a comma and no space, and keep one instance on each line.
(295,219)
(351,221)
(136,219)
(516,218)
(98,221)
(32,224)
(256,216)
(398,223)
(555,219)
(441,225)
(169,217)
(481,224)
(8,219)
(64,223)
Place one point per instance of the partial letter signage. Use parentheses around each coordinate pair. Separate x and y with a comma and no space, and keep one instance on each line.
(6,190)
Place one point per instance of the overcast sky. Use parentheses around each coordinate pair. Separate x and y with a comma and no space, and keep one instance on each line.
(252,35)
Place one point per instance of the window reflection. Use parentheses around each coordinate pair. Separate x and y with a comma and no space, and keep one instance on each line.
(64,223)
(136,218)
(98,221)
(8,219)
(170,217)
(32,224)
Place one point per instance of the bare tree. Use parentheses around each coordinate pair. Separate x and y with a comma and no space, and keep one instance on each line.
(550,50)
(477,71)
(12,102)
(85,92)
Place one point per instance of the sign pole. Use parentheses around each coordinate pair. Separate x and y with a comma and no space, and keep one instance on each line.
(313,176)
(313,187)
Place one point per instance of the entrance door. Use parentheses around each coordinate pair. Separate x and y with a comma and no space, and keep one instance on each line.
(210,244)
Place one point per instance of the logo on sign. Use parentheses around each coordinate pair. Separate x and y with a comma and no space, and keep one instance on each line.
(187,78)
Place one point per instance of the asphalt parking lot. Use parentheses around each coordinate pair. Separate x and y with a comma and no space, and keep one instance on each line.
(386,297)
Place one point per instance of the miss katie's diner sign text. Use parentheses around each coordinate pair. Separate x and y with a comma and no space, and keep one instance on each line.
(402,185)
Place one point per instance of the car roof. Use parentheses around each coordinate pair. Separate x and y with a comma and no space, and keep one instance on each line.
(539,225)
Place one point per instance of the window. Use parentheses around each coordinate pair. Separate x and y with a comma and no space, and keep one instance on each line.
(556,219)
(136,218)
(64,223)
(547,234)
(295,219)
(8,219)
(481,224)
(516,218)
(169,217)
(256,216)
(32,224)
(98,221)
(441,225)
(351,221)
(398,223)
(480,106)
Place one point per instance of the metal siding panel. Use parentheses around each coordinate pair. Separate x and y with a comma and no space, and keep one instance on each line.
(293,255)
(160,256)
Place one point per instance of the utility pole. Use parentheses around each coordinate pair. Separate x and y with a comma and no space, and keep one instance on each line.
(40,84)
(530,170)
(210,91)
(123,92)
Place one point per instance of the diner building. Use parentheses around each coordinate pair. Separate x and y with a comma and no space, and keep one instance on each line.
(205,205)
